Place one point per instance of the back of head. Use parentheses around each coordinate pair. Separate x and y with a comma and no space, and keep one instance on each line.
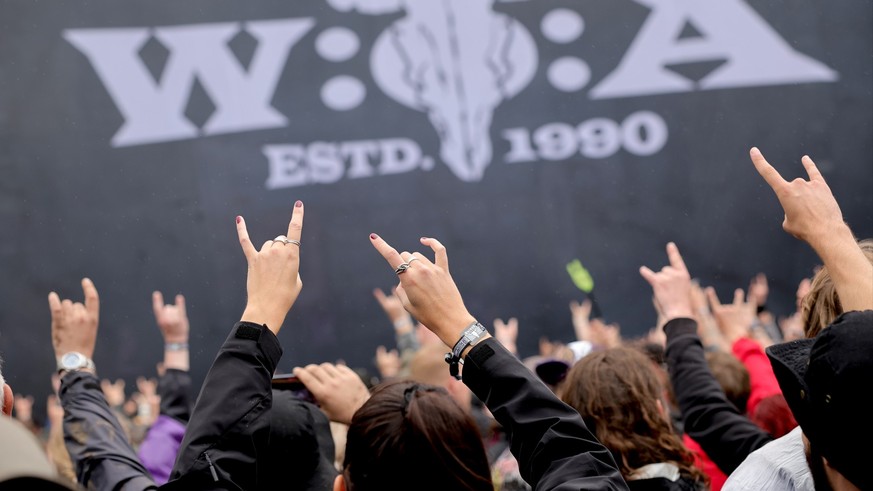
(410,435)
(23,465)
(618,395)
(821,306)
(733,378)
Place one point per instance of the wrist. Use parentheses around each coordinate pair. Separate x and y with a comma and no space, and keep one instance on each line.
(403,325)
(678,312)
(256,315)
(452,330)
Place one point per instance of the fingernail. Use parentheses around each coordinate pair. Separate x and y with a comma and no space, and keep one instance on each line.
(373,236)
(238,219)
(298,204)
(423,238)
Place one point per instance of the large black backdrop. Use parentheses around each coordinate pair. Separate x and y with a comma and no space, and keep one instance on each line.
(139,217)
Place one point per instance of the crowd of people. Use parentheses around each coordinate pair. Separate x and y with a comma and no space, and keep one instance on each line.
(716,396)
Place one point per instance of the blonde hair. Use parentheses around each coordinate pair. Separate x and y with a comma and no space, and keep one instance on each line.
(821,306)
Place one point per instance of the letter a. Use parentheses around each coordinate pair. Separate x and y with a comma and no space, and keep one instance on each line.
(731,30)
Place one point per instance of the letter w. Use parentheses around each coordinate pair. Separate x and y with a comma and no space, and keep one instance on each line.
(154,111)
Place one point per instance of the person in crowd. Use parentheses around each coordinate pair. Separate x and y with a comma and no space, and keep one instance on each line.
(811,214)
(395,363)
(621,398)
(161,444)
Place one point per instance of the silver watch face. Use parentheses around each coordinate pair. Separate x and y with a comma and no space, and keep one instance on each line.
(72,361)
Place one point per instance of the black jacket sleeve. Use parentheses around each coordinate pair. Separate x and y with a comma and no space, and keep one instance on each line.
(97,444)
(174,387)
(554,448)
(711,420)
(229,425)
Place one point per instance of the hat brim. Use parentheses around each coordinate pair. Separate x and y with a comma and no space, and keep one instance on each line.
(790,362)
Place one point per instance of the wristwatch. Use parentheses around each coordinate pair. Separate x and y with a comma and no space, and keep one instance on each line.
(74,361)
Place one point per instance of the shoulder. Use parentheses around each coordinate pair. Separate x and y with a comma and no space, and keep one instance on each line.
(781,464)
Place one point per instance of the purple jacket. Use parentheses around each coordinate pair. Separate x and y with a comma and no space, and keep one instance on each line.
(160,447)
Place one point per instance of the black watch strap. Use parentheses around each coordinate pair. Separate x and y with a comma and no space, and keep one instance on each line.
(471,335)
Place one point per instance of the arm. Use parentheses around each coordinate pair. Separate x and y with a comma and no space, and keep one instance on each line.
(554,448)
(229,427)
(813,216)
(725,435)
(98,446)
(229,430)
(710,419)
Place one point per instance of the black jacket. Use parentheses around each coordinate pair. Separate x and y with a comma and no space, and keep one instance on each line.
(711,420)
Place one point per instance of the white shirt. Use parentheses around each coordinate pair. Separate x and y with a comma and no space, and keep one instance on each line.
(779,465)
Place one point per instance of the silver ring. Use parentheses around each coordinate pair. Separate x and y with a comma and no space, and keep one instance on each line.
(286,241)
(413,258)
(401,269)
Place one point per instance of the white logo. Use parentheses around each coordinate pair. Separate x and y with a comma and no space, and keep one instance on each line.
(455,61)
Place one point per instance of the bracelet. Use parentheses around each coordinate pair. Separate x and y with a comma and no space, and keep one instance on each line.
(403,322)
(471,334)
(176,347)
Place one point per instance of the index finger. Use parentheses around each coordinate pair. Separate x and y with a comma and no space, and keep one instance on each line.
(713,298)
(767,171)
(380,295)
(389,253)
(811,169)
(55,305)
(92,299)
(157,302)
(440,257)
(295,227)
(244,241)
(675,257)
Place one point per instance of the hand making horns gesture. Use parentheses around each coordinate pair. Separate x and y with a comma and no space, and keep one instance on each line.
(273,281)
(427,290)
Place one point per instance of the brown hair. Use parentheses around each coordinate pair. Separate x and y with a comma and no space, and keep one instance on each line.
(617,392)
(414,435)
(821,306)
(732,376)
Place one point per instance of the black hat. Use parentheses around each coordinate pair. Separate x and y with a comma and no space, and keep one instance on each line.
(827,382)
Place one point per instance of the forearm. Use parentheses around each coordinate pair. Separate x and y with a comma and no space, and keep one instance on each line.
(228,428)
(850,269)
(98,446)
(555,450)
(710,419)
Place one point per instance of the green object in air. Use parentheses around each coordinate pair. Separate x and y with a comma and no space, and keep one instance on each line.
(580,276)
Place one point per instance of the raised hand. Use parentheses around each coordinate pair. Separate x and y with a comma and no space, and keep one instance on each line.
(507,334)
(581,315)
(393,307)
(338,390)
(113,392)
(23,408)
(759,290)
(671,285)
(813,215)
(388,362)
(427,290)
(273,282)
(734,320)
(74,325)
(171,319)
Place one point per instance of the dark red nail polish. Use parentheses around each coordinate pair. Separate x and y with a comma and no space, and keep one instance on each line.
(374,236)
(298,204)
(423,238)
(238,219)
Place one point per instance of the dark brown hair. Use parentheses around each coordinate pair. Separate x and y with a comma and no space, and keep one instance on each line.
(821,306)
(732,376)
(414,436)
(617,392)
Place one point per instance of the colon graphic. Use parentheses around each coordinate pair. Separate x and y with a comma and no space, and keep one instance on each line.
(455,60)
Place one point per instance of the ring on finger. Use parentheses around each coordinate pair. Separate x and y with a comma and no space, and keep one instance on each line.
(401,269)
(413,258)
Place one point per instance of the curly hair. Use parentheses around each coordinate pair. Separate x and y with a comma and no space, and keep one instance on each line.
(617,393)
(821,306)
